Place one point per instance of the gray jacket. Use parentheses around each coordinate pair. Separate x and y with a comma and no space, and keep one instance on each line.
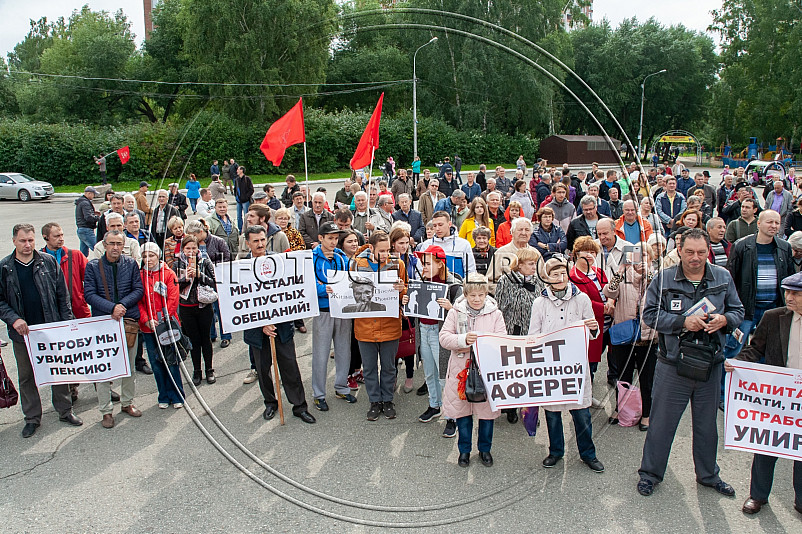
(670,294)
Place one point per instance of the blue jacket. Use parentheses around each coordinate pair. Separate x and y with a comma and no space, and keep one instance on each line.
(415,220)
(472,191)
(662,205)
(556,240)
(684,185)
(338,262)
(214,169)
(603,207)
(129,287)
(193,189)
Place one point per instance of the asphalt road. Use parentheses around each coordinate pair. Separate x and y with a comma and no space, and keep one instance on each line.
(160,474)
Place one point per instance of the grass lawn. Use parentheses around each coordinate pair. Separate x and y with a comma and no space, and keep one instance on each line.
(257,179)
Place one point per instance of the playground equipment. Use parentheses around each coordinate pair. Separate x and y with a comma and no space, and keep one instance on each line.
(755,151)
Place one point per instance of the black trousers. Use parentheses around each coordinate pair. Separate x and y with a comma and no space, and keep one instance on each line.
(197,322)
(356,356)
(30,401)
(289,373)
(642,359)
(763,477)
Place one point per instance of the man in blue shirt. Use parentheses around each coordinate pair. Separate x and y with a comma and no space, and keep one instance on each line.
(471,188)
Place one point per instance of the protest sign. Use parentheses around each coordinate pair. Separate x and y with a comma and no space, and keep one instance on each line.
(270,289)
(423,300)
(78,351)
(359,294)
(534,370)
(764,410)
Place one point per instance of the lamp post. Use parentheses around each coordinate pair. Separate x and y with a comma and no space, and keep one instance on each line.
(415,99)
(642,100)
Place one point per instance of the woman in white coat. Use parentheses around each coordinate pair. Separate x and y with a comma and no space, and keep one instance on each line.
(560,304)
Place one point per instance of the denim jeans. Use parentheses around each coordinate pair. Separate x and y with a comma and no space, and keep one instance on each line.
(219,321)
(732,348)
(483,441)
(88,240)
(242,211)
(430,354)
(582,427)
(193,202)
(167,392)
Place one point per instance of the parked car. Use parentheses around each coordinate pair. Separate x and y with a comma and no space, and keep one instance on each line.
(23,187)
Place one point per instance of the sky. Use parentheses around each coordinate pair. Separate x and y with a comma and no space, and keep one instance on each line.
(15,14)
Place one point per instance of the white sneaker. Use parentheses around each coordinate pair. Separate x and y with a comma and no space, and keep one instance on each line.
(251,377)
(178,405)
(163,405)
(596,403)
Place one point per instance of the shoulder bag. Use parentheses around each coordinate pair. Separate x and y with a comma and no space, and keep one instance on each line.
(8,393)
(131,325)
(697,356)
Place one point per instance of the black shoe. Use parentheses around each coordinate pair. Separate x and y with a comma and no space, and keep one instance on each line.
(464,459)
(269,413)
(721,487)
(29,429)
(642,427)
(145,369)
(611,382)
(595,465)
(210,378)
(72,419)
(389,410)
(451,429)
(612,420)
(115,397)
(645,487)
(375,409)
(551,461)
(423,390)
(486,458)
(197,377)
(512,415)
(322,405)
(429,415)
(306,417)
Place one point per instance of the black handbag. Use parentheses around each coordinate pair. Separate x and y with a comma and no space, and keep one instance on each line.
(8,393)
(697,356)
(475,390)
(175,344)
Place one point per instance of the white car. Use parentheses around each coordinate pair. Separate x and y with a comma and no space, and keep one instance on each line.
(20,186)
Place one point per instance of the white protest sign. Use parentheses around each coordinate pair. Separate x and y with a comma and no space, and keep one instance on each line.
(358,294)
(534,370)
(270,289)
(78,351)
(764,410)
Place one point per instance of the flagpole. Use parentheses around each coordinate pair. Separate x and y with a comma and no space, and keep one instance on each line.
(370,174)
(306,172)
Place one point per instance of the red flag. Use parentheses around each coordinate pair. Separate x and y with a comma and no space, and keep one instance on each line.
(287,131)
(125,154)
(369,139)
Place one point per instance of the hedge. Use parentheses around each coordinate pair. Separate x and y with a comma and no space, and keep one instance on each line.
(62,153)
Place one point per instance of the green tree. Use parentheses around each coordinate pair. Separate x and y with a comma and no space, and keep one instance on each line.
(615,62)
(760,90)
(261,42)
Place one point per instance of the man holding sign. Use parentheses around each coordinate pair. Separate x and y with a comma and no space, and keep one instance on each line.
(33,291)
(783,350)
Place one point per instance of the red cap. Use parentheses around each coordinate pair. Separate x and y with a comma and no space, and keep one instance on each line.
(438,252)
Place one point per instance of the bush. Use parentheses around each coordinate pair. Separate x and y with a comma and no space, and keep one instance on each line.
(62,153)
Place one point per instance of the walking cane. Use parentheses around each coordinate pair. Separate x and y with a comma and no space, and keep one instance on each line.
(276,379)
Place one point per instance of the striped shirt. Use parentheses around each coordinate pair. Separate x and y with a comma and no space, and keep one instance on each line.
(719,254)
(766,274)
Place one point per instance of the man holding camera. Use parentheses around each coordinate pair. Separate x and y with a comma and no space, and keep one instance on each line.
(691,345)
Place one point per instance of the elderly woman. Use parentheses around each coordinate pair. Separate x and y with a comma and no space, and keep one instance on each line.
(524,198)
(483,251)
(284,220)
(561,304)
(548,238)
(161,294)
(628,289)
(591,280)
(795,240)
(194,270)
(172,244)
(515,293)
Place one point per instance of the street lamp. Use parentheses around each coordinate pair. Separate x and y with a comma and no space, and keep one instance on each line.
(415,99)
(642,99)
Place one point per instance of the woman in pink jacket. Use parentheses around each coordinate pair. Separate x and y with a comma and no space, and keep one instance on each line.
(473,313)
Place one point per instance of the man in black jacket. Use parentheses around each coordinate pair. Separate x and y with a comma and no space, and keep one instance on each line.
(243,193)
(585,224)
(778,341)
(33,291)
(162,214)
(86,220)
(178,200)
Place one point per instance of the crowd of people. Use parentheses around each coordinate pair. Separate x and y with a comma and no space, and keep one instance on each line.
(624,252)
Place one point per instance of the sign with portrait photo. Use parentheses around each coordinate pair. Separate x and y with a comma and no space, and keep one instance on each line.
(363,294)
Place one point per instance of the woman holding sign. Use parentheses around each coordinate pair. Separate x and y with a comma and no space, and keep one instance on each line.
(399,245)
(473,312)
(562,304)
(196,317)
(161,293)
